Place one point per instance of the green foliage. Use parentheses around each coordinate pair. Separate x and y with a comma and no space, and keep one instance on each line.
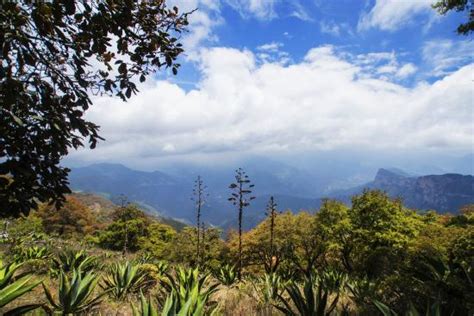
(75,293)
(31,253)
(158,239)
(130,225)
(147,308)
(226,275)
(270,287)
(72,260)
(319,295)
(43,105)
(11,289)
(125,279)
(183,247)
(188,290)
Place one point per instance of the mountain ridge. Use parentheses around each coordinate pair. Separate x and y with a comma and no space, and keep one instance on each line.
(169,195)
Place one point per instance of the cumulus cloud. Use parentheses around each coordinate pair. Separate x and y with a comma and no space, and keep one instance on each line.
(390,15)
(321,102)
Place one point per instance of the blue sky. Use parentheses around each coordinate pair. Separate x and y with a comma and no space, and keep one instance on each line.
(354,26)
(270,77)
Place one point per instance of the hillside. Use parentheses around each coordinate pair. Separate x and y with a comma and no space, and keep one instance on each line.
(102,208)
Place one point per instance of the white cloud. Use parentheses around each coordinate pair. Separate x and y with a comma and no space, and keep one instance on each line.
(383,65)
(406,70)
(334,29)
(443,56)
(390,15)
(272,47)
(260,9)
(300,12)
(272,53)
(322,102)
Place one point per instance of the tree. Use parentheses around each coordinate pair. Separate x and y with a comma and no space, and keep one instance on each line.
(241,188)
(124,233)
(55,54)
(158,239)
(183,247)
(72,218)
(381,231)
(334,227)
(444,6)
(198,198)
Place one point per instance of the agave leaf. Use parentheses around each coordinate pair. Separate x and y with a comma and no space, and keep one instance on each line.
(16,289)
(21,310)
(384,309)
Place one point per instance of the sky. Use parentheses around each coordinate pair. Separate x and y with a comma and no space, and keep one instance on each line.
(272,77)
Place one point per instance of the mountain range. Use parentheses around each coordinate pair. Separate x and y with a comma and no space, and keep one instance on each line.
(168,194)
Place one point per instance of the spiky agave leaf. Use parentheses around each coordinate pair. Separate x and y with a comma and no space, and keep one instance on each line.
(147,308)
(189,291)
(70,260)
(75,293)
(124,279)
(16,289)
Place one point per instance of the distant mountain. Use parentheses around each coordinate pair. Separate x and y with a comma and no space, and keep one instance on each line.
(168,193)
(443,193)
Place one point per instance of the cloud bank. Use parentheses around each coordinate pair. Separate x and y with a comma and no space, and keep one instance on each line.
(328,100)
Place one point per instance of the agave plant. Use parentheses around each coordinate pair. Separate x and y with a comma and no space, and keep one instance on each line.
(319,295)
(189,290)
(145,258)
(75,293)
(147,308)
(226,275)
(125,279)
(11,290)
(270,287)
(71,260)
(31,253)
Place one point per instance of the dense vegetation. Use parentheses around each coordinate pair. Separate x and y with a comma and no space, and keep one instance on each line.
(55,56)
(376,257)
